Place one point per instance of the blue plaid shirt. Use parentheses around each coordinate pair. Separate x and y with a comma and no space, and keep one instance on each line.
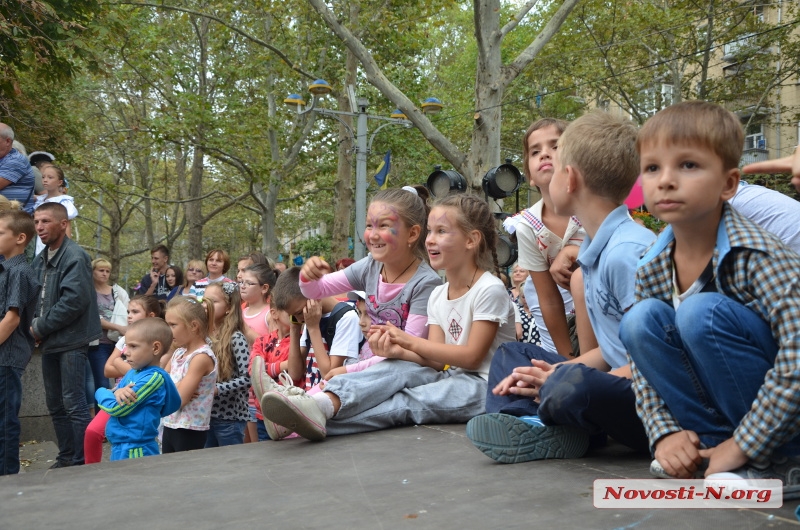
(754,268)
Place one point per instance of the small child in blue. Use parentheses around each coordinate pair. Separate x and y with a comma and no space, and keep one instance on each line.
(144,395)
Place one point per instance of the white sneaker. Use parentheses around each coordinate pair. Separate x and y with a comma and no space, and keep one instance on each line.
(296,411)
(263,383)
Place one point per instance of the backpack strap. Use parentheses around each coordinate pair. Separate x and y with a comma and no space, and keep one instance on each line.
(339,310)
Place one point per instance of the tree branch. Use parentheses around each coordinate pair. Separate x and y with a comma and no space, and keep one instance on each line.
(514,22)
(513,70)
(231,27)
(376,78)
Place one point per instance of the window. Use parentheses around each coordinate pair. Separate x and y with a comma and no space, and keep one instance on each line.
(754,137)
(655,98)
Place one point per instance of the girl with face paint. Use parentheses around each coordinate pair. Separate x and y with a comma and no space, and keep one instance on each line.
(439,379)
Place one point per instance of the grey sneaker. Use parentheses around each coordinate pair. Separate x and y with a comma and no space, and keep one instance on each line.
(259,380)
(296,411)
(509,439)
(786,469)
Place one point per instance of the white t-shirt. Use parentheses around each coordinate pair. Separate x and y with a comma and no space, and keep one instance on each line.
(346,340)
(538,247)
(771,210)
(486,300)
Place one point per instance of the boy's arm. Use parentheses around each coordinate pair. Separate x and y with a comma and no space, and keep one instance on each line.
(772,419)
(144,386)
(553,312)
(297,355)
(656,417)
(9,323)
(313,315)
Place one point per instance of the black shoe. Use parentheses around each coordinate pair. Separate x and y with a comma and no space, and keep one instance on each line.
(60,463)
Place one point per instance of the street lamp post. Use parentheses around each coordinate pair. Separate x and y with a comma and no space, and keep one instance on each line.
(363,146)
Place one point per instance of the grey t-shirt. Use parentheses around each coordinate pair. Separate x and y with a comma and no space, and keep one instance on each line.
(365,275)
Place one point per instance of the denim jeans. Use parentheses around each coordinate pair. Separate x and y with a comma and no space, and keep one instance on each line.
(89,386)
(707,360)
(225,432)
(10,401)
(393,393)
(574,394)
(98,355)
(64,376)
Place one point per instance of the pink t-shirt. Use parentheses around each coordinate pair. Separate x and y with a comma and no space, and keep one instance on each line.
(258,322)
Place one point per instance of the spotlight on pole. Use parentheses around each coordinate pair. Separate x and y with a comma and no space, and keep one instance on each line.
(442,183)
(506,251)
(502,181)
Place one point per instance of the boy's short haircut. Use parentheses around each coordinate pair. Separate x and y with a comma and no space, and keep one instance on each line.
(697,124)
(287,289)
(153,330)
(19,222)
(57,210)
(603,149)
(160,248)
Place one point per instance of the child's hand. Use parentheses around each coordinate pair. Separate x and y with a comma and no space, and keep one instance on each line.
(563,265)
(502,388)
(724,457)
(396,335)
(312,314)
(334,372)
(381,344)
(125,395)
(787,164)
(314,269)
(678,453)
(529,379)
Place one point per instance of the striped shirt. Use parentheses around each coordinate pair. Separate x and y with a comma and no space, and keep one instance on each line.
(16,168)
(754,268)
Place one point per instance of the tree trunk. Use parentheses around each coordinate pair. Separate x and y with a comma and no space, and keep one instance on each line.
(193,208)
(343,188)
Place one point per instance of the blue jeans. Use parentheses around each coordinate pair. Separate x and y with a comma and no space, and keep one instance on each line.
(263,435)
(10,401)
(64,376)
(707,360)
(225,432)
(89,386)
(394,392)
(574,394)
(98,355)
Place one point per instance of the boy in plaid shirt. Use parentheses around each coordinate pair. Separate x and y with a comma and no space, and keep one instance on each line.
(714,336)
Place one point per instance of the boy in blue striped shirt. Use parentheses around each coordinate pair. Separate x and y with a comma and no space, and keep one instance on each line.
(143,396)
(714,335)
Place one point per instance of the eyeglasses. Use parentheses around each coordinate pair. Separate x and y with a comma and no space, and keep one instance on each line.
(194,270)
(247,284)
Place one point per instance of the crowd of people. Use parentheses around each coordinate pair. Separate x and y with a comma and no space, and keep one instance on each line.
(683,344)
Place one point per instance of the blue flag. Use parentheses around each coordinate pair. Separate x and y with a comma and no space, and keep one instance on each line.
(382,176)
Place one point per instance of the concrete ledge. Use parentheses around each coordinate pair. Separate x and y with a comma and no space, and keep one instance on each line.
(412,477)
(35,421)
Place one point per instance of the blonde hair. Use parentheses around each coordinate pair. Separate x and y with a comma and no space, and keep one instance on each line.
(191,310)
(603,149)
(194,264)
(100,262)
(697,124)
(233,322)
(473,213)
(6,204)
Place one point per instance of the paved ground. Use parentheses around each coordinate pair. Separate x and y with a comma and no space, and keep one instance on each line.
(413,477)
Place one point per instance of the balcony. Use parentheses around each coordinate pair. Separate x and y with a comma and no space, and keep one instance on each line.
(754,155)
